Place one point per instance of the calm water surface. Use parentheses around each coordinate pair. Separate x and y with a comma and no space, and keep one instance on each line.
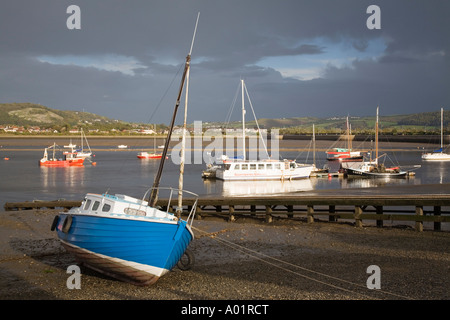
(22,179)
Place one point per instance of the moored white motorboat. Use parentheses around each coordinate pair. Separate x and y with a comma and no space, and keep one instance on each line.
(263,170)
(260,169)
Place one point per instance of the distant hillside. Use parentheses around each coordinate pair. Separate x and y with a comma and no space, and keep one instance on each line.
(30,114)
(425,122)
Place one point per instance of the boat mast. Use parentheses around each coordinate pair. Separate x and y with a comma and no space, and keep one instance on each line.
(154,193)
(314,146)
(243,119)
(376,137)
(179,208)
(442,129)
(154,139)
(349,146)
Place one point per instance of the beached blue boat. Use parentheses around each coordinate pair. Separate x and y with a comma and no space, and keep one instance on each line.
(124,237)
(129,238)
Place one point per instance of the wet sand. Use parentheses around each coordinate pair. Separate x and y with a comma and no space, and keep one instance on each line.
(243,260)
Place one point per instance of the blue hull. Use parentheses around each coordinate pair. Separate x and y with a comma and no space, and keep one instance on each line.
(130,249)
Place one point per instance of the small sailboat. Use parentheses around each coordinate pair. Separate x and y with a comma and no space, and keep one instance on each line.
(150,155)
(83,152)
(438,155)
(128,238)
(68,159)
(345,154)
(375,169)
(263,169)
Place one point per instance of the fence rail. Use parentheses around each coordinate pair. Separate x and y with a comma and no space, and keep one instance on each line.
(414,208)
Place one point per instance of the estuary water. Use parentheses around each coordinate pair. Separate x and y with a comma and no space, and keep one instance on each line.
(120,171)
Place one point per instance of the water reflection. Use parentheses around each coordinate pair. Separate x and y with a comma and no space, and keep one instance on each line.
(357,182)
(122,172)
(256,188)
(69,177)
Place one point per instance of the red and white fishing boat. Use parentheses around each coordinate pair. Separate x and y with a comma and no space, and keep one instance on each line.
(345,154)
(68,159)
(146,155)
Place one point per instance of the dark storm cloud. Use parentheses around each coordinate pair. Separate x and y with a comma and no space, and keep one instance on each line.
(234,37)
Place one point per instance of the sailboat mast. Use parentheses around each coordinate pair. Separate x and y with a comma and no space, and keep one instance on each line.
(179,208)
(442,129)
(154,193)
(243,120)
(314,146)
(376,137)
(349,147)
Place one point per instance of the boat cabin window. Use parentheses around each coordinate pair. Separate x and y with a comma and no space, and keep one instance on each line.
(292,165)
(277,166)
(96,205)
(260,166)
(245,166)
(87,204)
(252,166)
(227,166)
(237,166)
(269,166)
(106,207)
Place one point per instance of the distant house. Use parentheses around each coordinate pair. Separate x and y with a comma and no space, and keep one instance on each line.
(34,129)
(147,131)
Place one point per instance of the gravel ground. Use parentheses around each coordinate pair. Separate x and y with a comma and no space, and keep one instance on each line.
(243,260)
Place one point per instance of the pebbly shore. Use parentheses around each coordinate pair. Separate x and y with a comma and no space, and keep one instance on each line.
(243,260)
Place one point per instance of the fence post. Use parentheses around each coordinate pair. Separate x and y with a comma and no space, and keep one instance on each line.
(379,211)
(290,209)
(332,211)
(268,214)
(231,213)
(437,212)
(358,212)
(309,214)
(419,224)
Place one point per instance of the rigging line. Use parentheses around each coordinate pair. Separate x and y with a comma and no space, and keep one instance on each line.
(307,154)
(165,93)
(393,152)
(302,275)
(242,249)
(158,105)
(256,120)
(231,108)
(127,160)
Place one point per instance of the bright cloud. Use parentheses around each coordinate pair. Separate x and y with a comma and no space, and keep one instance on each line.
(337,54)
(113,63)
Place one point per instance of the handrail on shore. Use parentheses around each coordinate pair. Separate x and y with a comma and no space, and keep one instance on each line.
(413,208)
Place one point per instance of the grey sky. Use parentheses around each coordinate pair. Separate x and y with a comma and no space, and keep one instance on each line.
(298,57)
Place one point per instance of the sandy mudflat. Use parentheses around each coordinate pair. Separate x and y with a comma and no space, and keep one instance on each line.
(289,260)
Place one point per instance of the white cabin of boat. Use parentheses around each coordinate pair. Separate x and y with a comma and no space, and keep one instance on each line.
(119,204)
(263,169)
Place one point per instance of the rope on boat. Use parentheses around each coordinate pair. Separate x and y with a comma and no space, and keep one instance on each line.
(263,258)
